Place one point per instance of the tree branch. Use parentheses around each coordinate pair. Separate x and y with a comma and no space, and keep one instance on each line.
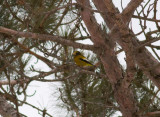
(46,37)
(145,18)
(143,57)
(111,66)
(129,10)
(90,22)
(148,42)
(108,9)
(153,114)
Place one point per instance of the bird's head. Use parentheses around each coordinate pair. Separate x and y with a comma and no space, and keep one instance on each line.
(75,53)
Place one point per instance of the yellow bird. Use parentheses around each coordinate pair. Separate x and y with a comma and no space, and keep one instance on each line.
(80,60)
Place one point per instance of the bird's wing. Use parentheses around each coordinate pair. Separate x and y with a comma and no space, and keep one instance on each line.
(85,60)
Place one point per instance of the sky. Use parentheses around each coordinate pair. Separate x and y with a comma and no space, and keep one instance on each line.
(44,98)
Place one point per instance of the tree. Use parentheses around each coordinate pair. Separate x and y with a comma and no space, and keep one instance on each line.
(37,28)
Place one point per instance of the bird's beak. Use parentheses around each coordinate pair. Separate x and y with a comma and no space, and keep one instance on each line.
(74,54)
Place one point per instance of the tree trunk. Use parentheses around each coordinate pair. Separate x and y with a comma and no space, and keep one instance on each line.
(122,92)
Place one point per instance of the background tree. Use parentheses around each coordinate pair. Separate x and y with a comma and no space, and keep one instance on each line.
(50,30)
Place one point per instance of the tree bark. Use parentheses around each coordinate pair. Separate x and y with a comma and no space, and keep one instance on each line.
(122,92)
(6,109)
(142,56)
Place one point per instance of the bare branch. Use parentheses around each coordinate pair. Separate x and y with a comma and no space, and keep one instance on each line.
(129,10)
(145,18)
(99,104)
(148,42)
(45,37)
(91,22)
(48,62)
(107,14)
(153,114)
(35,107)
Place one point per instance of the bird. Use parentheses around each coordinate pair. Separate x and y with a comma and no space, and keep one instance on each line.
(80,60)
